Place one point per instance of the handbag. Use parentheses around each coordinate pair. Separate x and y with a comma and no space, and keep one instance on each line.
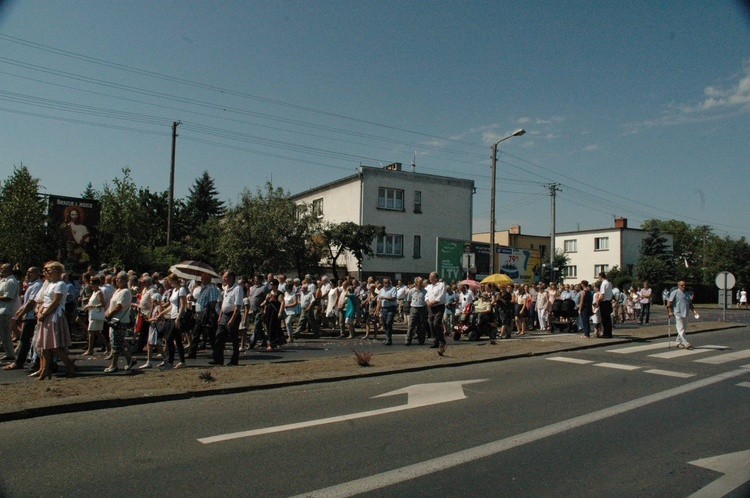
(96,314)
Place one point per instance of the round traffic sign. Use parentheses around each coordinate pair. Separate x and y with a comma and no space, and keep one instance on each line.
(725,280)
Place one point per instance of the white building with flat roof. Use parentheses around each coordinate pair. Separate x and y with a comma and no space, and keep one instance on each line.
(415,209)
(592,251)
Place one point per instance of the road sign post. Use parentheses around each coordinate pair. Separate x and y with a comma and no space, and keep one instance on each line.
(725,282)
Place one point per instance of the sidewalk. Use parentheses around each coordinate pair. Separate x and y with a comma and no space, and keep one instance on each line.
(302,362)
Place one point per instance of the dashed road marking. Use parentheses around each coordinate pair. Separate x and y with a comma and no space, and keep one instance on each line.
(726,358)
(668,373)
(570,360)
(744,384)
(676,353)
(638,349)
(617,366)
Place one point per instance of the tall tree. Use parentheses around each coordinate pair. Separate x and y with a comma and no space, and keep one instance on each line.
(203,201)
(264,232)
(89,192)
(123,229)
(688,248)
(655,263)
(352,238)
(23,215)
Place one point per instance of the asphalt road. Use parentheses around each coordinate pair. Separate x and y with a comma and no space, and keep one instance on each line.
(590,423)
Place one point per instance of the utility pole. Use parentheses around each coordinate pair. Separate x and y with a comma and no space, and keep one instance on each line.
(175,124)
(553,189)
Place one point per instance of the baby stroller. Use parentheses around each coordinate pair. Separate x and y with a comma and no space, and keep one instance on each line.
(564,316)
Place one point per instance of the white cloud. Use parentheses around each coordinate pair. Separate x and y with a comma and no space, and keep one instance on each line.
(524,120)
(719,101)
(591,147)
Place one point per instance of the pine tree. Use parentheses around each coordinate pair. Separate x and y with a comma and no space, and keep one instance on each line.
(23,216)
(203,202)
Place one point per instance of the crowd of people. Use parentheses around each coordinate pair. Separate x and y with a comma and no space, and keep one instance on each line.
(129,315)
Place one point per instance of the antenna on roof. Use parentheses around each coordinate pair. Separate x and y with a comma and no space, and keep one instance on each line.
(414,162)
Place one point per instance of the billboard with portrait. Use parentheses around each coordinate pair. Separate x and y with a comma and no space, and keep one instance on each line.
(76,222)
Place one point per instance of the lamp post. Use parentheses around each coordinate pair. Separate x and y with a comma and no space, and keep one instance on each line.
(516,133)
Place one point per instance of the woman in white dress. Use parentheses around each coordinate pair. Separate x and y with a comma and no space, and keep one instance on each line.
(52,335)
(95,307)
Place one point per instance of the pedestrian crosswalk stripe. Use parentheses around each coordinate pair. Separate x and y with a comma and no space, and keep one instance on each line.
(726,358)
(638,349)
(675,353)
(617,366)
(570,360)
(669,374)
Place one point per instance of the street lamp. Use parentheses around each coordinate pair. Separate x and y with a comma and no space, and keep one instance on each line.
(516,133)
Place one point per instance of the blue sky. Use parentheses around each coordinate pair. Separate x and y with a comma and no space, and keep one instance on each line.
(638,109)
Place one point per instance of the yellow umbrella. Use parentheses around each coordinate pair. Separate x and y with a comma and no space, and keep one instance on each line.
(500,279)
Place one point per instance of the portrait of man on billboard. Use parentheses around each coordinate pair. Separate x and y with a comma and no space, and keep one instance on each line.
(77,221)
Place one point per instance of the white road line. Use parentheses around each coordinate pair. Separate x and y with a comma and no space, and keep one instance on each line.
(676,353)
(667,373)
(638,349)
(439,464)
(570,360)
(744,384)
(726,358)
(617,366)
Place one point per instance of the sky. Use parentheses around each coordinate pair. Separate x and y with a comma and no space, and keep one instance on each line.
(635,109)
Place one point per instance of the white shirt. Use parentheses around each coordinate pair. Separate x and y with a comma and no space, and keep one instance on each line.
(108,290)
(9,289)
(174,300)
(465,298)
(435,294)
(606,290)
(123,297)
(232,297)
(645,295)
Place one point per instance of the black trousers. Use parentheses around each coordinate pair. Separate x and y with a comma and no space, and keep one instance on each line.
(174,340)
(605,309)
(224,333)
(27,333)
(435,320)
(204,327)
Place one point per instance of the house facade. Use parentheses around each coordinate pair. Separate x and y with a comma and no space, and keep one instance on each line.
(414,208)
(592,251)
(514,238)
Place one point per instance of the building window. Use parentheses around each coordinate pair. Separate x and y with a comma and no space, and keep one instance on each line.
(542,251)
(390,245)
(417,201)
(571,245)
(417,246)
(391,198)
(600,269)
(570,271)
(317,207)
(601,244)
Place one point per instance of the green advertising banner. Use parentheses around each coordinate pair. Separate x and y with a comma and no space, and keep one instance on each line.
(522,265)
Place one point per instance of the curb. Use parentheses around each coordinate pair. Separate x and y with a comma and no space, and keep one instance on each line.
(106,403)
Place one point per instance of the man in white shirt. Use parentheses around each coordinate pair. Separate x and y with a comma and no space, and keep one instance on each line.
(435,299)
(605,306)
(229,320)
(27,314)
(8,297)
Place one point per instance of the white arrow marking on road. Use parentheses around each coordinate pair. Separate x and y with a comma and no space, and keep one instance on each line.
(734,466)
(418,395)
